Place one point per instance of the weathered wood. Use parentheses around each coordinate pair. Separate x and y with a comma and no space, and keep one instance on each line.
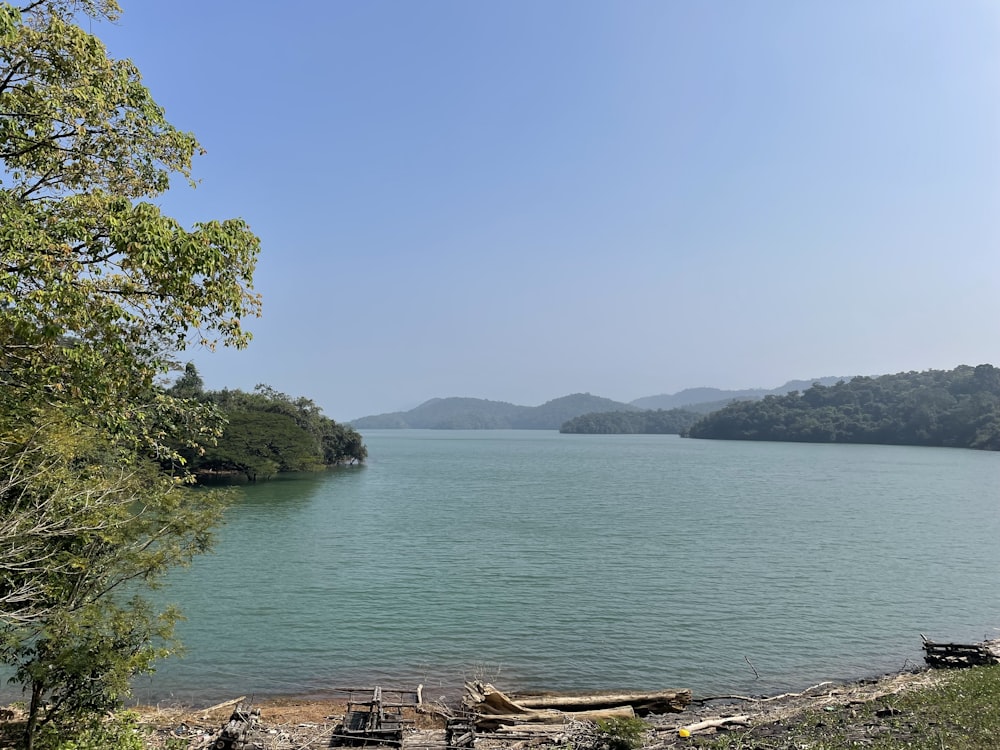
(235,735)
(549,718)
(529,730)
(553,716)
(700,726)
(224,704)
(494,709)
(664,700)
(948,655)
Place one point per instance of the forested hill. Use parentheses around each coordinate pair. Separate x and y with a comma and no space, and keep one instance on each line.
(657,422)
(266,433)
(481,414)
(951,408)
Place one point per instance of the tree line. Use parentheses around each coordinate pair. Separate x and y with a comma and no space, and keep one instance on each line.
(653,422)
(957,408)
(265,432)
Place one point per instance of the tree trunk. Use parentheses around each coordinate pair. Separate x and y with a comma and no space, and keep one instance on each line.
(665,700)
(34,710)
(496,709)
(549,717)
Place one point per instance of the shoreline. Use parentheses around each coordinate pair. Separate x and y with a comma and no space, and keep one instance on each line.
(449,684)
(856,708)
(299,720)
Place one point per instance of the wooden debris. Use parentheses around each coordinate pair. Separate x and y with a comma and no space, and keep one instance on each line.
(701,726)
(236,732)
(951,655)
(376,714)
(495,709)
(225,704)
(460,731)
(665,701)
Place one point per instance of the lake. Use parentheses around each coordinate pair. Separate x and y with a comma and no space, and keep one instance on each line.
(539,560)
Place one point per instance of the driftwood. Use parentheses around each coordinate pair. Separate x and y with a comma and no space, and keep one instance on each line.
(751,699)
(664,701)
(552,716)
(224,704)
(494,709)
(700,726)
(531,730)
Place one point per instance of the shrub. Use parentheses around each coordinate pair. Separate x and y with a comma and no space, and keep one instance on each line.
(621,733)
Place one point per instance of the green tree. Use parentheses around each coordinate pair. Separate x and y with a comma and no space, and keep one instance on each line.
(94,524)
(188,385)
(267,432)
(97,287)
(98,292)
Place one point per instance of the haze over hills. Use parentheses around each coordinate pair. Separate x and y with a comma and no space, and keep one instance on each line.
(690,396)
(481,414)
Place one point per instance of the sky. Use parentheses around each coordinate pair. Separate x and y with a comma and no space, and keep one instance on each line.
(520,200)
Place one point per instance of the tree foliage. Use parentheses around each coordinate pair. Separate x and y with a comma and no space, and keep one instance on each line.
(267,432)
(950,408)
(656,422)
(89,524)
(97,287)
(98,292)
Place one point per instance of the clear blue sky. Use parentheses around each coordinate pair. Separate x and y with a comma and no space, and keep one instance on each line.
(518,200)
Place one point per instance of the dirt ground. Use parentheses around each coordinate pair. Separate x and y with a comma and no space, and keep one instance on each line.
(770,718)
(294,724)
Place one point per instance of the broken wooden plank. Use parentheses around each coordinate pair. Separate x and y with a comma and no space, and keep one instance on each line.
(224,704)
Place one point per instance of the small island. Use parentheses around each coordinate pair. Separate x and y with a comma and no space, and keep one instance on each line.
(264,433)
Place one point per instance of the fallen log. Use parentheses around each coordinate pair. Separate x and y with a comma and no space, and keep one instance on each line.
(550,717)
(673,701)
(494,709)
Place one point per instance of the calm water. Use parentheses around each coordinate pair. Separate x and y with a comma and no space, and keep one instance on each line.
(563,561)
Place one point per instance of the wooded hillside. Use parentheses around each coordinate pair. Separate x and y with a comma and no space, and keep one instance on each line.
(267,432)
(951,408)
(658,422)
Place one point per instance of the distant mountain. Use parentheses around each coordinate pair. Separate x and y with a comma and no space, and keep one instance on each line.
(552,414)
(481,414)
(719,398)
(444,414)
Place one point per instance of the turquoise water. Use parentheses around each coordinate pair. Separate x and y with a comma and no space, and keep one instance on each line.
(536,559)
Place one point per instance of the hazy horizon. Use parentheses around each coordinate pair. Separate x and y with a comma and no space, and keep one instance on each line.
(602,395)
(522,200)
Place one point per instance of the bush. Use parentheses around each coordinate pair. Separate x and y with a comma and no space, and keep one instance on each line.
(621,733)
(120,732)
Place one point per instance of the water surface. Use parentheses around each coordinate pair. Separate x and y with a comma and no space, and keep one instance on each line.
(584,561)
